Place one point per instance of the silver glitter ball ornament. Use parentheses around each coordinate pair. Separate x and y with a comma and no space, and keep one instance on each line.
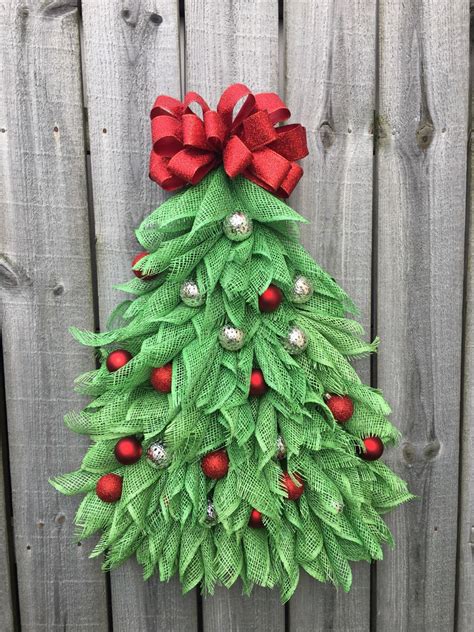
(231,338)
(211,515)
(190,294)
(302,289)
(296,341)
(280,448)
(157,455)
(237,226)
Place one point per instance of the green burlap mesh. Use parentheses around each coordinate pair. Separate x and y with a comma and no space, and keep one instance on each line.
(162,513)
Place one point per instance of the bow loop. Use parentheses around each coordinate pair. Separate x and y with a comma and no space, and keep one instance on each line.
(237,157)
(194,133)
(241,134)
(258,130)
(216,130)
(229,99)
(167,136)
(166,105)
(192,98)
(271,103)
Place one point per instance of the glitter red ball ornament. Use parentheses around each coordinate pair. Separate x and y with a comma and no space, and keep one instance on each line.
(258,385)
(160,378)
(215,465)
(109,488)
(270,300)
(138,273)
(255,520)
(341,406)
(373,449)
(117,359)
(293,490)
(128,450)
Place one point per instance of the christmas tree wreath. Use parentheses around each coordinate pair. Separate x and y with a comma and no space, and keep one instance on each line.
(231,436)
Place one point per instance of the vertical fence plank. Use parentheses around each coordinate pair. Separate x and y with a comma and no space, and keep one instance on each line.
(131,54)
(229,41)
(45,284)
(421,165)
(465,607)
(330,65)
(465,614)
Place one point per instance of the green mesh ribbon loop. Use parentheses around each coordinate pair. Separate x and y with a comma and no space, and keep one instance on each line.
(162,515)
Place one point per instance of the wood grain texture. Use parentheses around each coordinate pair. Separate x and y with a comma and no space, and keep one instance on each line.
(465,615)
(45,285)
(465,569)
(131,54)
(421,169)
(230,41)
(330,88)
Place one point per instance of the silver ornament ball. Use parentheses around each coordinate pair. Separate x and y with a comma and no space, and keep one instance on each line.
(157,455)
(280,448)
(190,294)
(296,340)
(237,226)
(211,515)
(302,289)
(231,338)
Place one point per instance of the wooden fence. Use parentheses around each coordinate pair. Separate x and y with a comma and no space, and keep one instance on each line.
(382,87)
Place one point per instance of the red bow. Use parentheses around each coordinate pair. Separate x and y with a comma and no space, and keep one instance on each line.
(186,147)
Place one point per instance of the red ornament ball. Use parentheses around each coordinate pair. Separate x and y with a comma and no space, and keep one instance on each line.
(255,520)
(138,273)
(117,359)
(161,378)
(270,300)
(128,450)
(341,406)
(373,449)
(258,385)
(215,465)
(109,488)
(293,490)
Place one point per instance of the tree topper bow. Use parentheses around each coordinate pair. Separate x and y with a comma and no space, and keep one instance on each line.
(251,143)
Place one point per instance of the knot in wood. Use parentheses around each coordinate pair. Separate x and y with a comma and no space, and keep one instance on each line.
(327,134)
(413,454)
(409,453)
(155,18)
(424,135)
(128,18)
(11,275)
(431,449)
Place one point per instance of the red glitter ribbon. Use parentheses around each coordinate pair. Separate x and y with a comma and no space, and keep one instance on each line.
(248,141)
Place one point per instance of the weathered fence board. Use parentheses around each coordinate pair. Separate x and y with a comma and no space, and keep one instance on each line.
(45,283)
(239,44)
(421,165)
(465,584)
(231,42)
(330,65)
(131,54)
(465,617)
